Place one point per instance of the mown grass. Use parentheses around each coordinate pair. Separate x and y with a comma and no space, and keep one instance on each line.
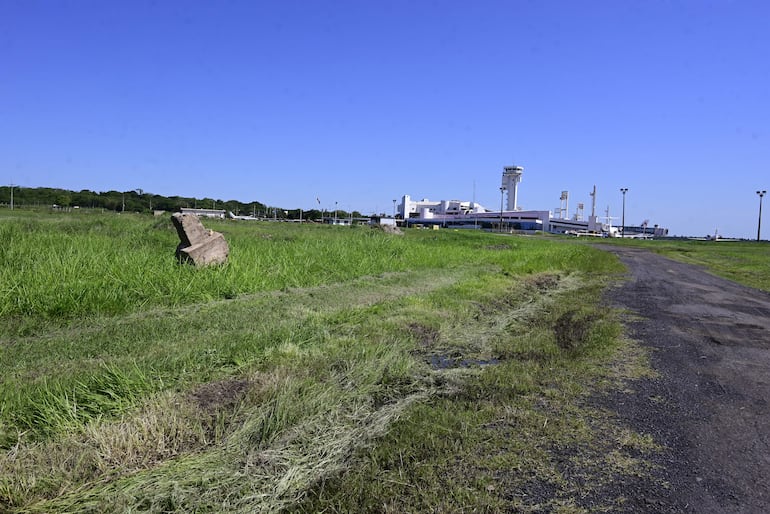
(349,370)
(745,262)
(510,436)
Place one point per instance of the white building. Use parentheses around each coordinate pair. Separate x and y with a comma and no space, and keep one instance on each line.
(464,214)
(427,209)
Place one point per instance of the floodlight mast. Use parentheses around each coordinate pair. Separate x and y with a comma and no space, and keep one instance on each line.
(502,194)
(623,190)
(759,221)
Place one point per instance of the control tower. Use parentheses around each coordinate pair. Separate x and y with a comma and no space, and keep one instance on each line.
(511,179)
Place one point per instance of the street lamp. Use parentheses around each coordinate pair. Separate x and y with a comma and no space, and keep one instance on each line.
(759,222)
(623,190)
(502,192)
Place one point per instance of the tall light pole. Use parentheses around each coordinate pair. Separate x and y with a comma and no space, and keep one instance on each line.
(759,222)
(623,190)
(502,193)
(12,196)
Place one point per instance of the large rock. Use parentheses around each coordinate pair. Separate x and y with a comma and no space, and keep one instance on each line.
(197,244)
(390,229)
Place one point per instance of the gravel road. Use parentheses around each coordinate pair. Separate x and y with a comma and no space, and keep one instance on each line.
(710,343)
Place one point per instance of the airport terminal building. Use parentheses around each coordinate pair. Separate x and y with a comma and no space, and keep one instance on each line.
(509,218)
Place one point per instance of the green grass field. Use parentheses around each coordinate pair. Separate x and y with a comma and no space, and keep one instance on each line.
(323,368)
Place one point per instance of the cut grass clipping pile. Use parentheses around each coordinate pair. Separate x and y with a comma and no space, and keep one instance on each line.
(323,368)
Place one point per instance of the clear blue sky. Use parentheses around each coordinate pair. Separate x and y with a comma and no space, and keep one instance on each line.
(360,102)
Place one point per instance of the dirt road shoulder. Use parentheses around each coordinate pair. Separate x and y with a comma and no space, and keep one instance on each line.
(710,343)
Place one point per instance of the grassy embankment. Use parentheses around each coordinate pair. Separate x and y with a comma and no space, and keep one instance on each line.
(323,368)
(745,262)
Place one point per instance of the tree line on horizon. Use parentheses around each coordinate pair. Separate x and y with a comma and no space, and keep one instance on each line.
(141,201)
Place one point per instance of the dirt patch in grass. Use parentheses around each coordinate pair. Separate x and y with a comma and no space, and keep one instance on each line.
(542,281)
(426,336)
(214,397)
(572,329)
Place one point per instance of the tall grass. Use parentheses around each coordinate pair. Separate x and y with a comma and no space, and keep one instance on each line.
(59,268)
(55,269)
